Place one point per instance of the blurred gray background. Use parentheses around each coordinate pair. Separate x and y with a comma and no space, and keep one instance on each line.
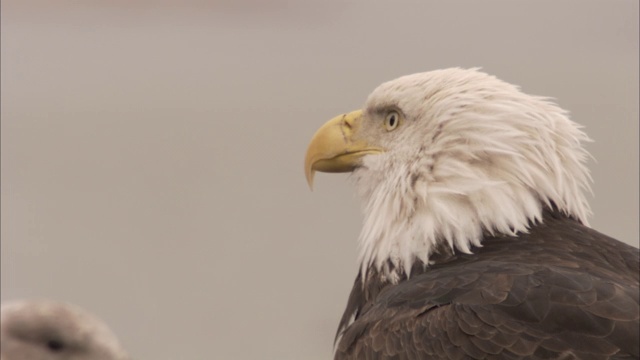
(152,152)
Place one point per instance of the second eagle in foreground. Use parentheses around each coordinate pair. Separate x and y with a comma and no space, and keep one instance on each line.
(475,242)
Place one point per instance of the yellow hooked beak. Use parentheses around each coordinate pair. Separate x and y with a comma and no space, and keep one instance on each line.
(336,146)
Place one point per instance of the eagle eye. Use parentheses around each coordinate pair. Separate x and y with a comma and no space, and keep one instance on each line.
(55,345)
(391,120)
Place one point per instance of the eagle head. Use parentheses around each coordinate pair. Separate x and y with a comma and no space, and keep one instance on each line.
(442,158)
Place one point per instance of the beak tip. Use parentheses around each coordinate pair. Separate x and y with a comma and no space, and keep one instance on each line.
(310,174)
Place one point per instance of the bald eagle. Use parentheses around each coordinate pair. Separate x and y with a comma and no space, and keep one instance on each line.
(51,330)
(475,242)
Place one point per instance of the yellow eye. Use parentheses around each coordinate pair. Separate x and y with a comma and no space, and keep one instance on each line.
(391,120)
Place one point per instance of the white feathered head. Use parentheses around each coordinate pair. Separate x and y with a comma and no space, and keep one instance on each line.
(443,157)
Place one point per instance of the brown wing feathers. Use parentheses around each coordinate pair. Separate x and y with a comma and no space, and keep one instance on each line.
(563,291)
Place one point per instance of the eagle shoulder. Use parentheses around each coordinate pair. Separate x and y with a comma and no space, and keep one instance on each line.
(561,291)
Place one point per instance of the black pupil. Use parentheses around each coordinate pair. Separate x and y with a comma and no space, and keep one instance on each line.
(55,345)
(392,120)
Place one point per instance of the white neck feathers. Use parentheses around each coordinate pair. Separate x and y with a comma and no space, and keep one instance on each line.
(482,157)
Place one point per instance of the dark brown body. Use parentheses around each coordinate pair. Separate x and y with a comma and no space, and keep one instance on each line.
(562,291)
